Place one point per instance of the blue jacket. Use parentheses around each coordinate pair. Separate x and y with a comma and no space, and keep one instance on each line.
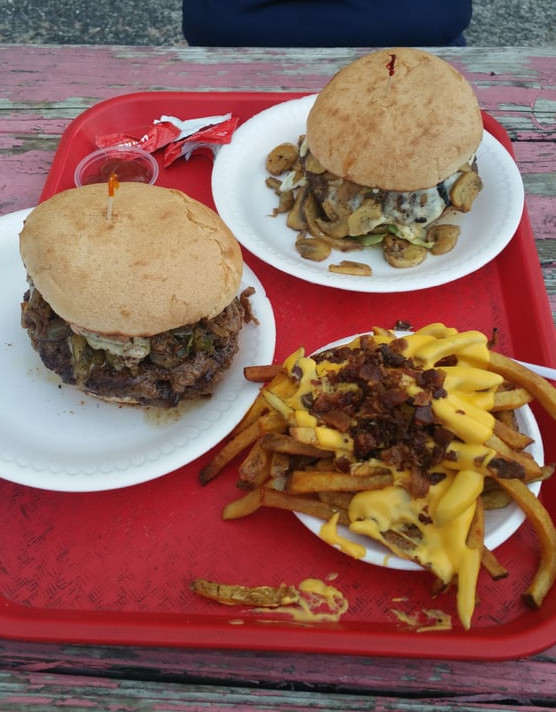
(325,23)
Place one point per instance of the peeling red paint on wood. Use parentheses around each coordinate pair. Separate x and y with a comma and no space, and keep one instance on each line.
(518,87)
(536,678)
(44,88)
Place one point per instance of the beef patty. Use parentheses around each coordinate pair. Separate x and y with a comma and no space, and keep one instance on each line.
(181,364)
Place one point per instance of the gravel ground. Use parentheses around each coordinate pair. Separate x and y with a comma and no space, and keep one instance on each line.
(495,23)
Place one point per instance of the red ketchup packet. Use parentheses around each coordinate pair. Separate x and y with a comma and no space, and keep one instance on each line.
(211,138)
(177,138)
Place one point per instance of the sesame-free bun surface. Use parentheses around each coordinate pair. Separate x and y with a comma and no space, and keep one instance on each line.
(402,132)
(164,260)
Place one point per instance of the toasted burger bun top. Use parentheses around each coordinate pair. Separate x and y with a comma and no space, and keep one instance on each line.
(402,131)
(164,260)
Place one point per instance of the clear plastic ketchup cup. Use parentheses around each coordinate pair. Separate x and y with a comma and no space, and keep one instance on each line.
(127,162)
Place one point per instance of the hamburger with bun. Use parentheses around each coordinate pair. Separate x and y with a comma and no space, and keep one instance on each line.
(390,148)
(140,308)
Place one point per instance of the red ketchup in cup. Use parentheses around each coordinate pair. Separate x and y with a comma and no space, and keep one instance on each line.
(128,163)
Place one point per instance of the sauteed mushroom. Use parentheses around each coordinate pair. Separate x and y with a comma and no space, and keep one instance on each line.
(401,253)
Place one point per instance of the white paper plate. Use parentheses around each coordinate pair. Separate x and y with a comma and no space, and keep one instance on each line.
(500,524)
(56,438)
(246,204)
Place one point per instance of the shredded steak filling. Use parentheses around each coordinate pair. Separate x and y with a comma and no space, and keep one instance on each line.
(182,364)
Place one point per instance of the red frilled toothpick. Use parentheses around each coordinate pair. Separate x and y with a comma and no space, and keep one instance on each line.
(113,185)
(391,67)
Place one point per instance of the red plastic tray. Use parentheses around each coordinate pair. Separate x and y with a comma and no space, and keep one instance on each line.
(114,567)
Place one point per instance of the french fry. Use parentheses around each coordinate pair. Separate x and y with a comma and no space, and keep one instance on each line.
(513,438)
(546,472)
(381,331)
(303,482)
(531,469)
(244,506)
(465,489)
(337,500)
(476,533)
(280,464)
(262,374)
(467,578)
(298,503)
(280,383)
(279,442)
(229,452)
(371,467)
(235,595)
(537,386)
(321,465)
(546,533)
(495,499)
(507,417)
(267,423)
(257,409)
(510,399)
(491,564)
(255,468)
(329,439)
(315,446)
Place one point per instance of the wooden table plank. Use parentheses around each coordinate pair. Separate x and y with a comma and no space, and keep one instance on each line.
(32,692)
(531,678)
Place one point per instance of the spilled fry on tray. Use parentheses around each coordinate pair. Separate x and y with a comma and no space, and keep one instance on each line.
(237,595)
(311,601)
(403,439)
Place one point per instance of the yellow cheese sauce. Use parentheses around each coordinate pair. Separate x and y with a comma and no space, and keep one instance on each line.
(319,602)
(425,620)
(469,390)
(329,533)
(469,342)
(439,546)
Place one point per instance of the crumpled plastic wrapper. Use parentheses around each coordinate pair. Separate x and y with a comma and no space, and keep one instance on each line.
(176,137)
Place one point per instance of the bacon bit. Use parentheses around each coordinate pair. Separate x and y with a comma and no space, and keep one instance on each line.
(338,419)
(507,469)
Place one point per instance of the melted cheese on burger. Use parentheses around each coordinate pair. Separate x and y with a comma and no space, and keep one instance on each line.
(408,212)
(134,348)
